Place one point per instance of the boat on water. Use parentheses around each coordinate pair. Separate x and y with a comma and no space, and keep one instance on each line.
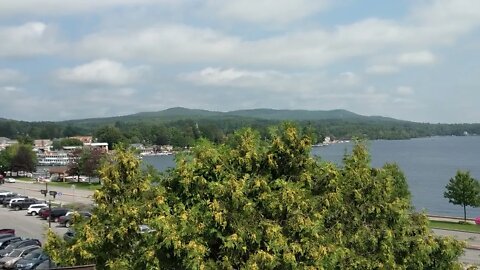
(163,153)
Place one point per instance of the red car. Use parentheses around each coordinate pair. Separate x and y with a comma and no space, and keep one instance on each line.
(7,231)
(44,213)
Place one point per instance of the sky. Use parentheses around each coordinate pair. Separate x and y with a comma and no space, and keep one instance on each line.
(414,60)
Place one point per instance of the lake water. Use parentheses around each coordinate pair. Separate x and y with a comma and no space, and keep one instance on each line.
(428,164)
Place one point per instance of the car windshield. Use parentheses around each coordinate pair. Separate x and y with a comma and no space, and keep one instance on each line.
(33,255)
(15,253)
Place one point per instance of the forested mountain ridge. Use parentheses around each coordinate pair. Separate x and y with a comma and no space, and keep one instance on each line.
(182,126)
(179,113)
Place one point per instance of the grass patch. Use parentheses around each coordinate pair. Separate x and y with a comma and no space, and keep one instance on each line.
(85,186)
(454,226)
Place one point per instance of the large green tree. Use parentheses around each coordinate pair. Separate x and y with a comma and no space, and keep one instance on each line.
(90,161)
(109,134)
(463,190)
(24,159)
(6,157)
(60,143)
(254,204)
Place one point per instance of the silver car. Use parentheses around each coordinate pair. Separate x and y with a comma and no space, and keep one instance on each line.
(16,254)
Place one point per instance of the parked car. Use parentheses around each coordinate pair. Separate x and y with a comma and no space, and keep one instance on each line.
(15,200)
(56,213)
(45,265)
(67,220)
(15,255)
(44,212)
(34,209)
(5,193)
(145,229)
(23,204)
(69,235)
(4,236)
(19,244)
(7,231)
(4,242)
(7,200)
(10,180)
(33,261)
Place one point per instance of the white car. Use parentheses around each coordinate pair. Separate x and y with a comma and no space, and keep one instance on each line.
(35,208)
(10,180)
(15,200)
(5,193)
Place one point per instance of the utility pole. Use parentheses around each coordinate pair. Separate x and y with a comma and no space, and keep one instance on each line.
(52,193)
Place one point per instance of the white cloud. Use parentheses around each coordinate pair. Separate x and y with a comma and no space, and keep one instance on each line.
(29,39)
(417,58)
(405,90)
(101,72)
(11,8)
(348,79)
(265,11)
(381,69)
(10,89)
(11,76)
(306,48)
(452,17)
(164,43)
(230,77)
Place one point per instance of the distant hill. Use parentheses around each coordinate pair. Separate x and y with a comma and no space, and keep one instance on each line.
(179,113)
(181,126)
(304,115)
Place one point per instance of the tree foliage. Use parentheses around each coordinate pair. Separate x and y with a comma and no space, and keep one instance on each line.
(183,130)
(60,143)
(24,159)
(6,157)
(255,204)
(109,134)
(400,184)
(18,157)
(86,161)
(463,190)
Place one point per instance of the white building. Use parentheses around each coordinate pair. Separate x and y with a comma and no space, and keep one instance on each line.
(53,158)
(5,142)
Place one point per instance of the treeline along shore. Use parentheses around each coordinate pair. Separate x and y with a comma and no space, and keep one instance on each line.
(181,127)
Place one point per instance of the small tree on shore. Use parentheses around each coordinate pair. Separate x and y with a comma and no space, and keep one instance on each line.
(463,190)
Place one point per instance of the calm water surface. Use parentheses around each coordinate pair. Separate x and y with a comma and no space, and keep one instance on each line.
(428,164)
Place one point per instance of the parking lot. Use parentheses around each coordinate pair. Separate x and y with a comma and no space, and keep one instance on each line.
(27,226)
(32,189)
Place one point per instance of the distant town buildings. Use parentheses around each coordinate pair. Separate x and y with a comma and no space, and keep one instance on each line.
(156,150)
(5,142)
(42,145)
(83,139)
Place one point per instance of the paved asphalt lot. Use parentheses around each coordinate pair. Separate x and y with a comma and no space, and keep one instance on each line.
(32,189)
(27,226)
